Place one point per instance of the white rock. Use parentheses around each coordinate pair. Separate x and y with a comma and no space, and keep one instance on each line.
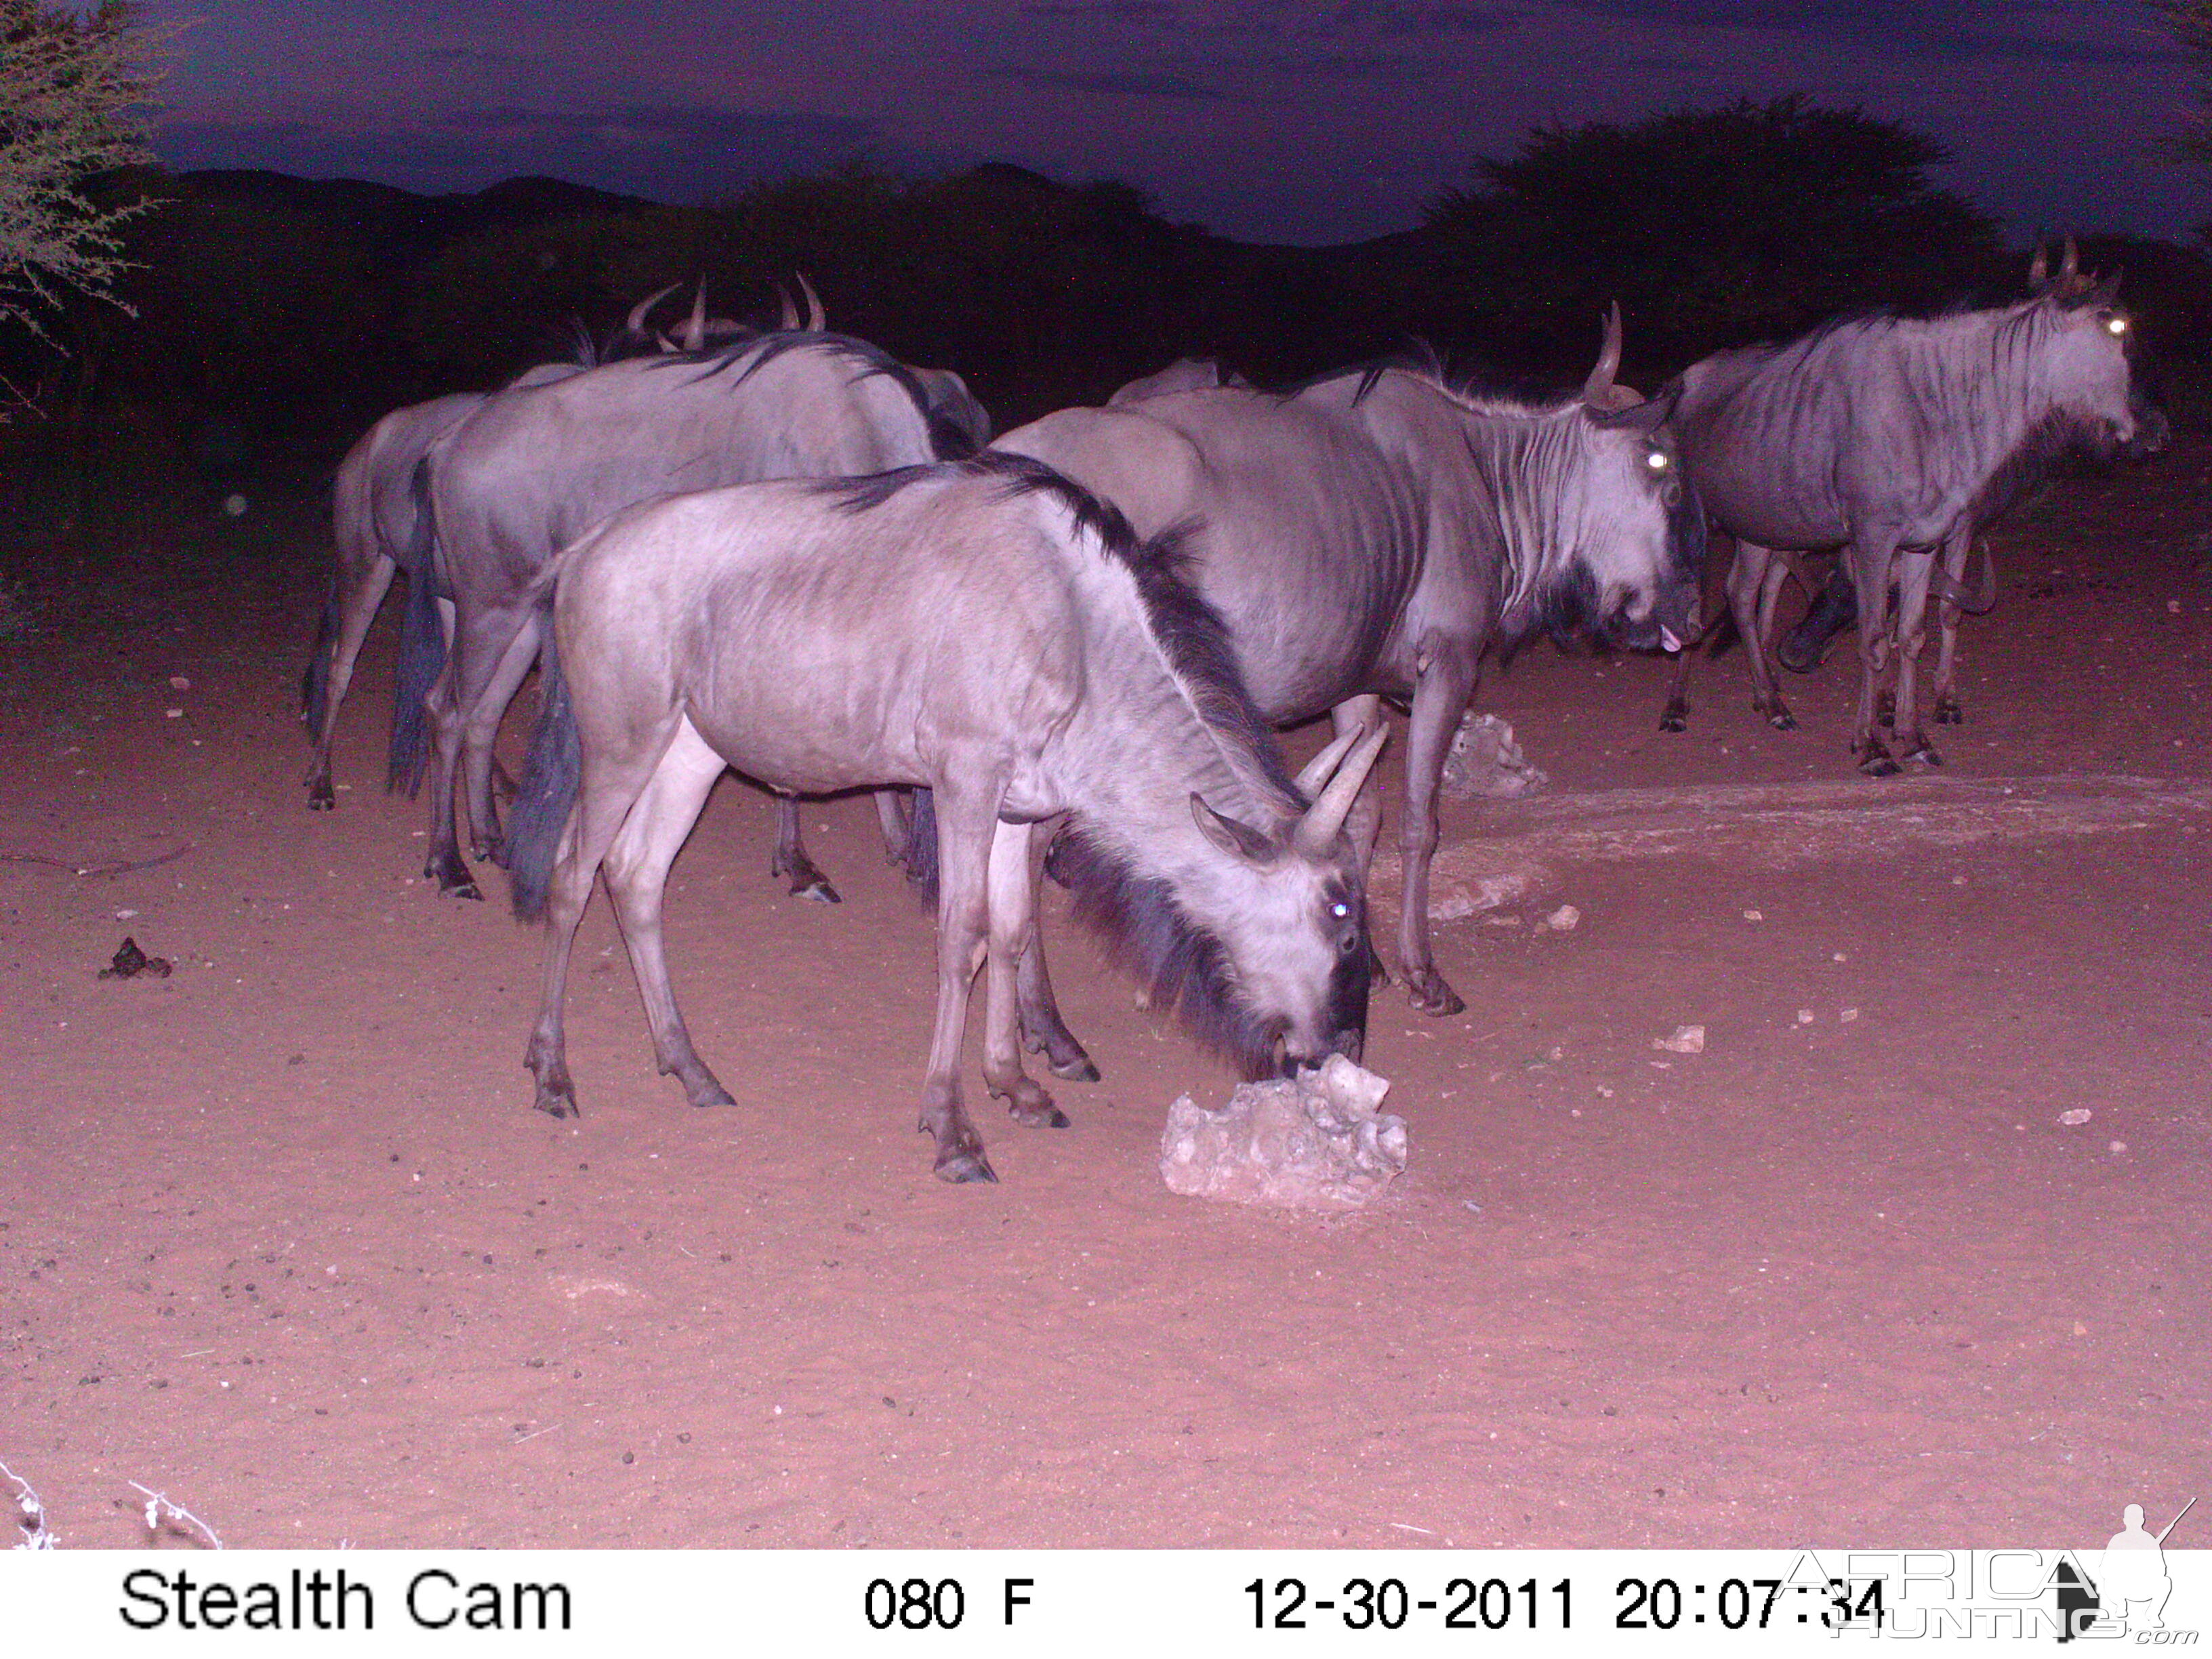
(1686,1040)
(1486,765)
(1806,1016)
(1315,1142)
(1563,920)
(2074,1119)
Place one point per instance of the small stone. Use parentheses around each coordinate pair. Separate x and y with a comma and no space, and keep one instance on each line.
(2074,1119)
(1563,920)
(235,506)
(178,682)
(1848,1015)
(1485,764)
(1686,1040)
(174,713)
(1806,1016)
(2173,607)
(2119,1146)
(1754,916)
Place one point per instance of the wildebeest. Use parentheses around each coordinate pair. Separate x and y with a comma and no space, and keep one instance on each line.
(989,631)
(373,521)
(530,471)
(1375,533)
(1892,439)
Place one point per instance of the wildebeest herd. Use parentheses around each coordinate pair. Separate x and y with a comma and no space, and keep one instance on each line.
(785,552)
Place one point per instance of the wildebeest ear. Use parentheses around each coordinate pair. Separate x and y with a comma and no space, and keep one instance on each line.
(1649,415)
(1237,839)
(2100,292)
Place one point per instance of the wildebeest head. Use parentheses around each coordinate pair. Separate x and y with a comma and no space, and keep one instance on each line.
(2084,351)
(1630,539)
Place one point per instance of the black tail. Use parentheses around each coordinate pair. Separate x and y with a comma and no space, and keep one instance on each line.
(422,645)
(551,779)
(920,857)
(315,683)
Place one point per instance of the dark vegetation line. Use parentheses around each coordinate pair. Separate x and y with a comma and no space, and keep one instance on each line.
(277,317)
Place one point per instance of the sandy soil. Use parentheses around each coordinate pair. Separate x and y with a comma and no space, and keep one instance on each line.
(280,1235)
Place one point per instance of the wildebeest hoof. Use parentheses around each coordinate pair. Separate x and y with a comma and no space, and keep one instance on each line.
(964,1165)
(1948,712)
(1781,719)
(1925,752)
(1037,1117)
(1675,718)
(321,798)
(1876,762)
(1430,994)
(818,890)
(465,888)
(557,1102)
(1079,1070)
(1885,709)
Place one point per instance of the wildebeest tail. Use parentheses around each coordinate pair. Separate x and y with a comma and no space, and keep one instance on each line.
(551,779)
(315,683)
(422,646)
(921,858)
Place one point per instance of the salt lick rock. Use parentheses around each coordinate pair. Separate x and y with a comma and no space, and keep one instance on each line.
(1317,1142)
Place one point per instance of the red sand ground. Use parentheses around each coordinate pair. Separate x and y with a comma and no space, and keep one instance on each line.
(280,1235)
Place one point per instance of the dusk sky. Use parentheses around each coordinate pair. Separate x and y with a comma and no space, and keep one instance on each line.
(1277,120)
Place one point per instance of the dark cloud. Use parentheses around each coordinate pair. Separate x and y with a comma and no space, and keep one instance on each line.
(1950,30)
(1119,83)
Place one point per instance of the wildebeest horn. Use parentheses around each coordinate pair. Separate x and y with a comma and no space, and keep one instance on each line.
(1316,832)
(1322,767)
(1597,391)
(695,326)
(666,343)
(2070,265)
(786,317)
(636,323)
(817,320)
(2038,267)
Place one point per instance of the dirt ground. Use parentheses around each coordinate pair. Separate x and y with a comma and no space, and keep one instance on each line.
(280,1235)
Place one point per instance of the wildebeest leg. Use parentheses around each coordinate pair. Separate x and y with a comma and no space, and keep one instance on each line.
(1675,716)
(1440,697)
(894,817)
(1912,571)
(790,858)
(362,588)
(966,821)
(1044,1031)
(1013,903)
(1754,582)
(1365,825)
(637,877)
(481,729)
(612,785)
(442,860)
(1871,556)
(1956,553)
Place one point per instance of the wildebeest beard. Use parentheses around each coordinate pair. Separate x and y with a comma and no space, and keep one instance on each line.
(1182,965)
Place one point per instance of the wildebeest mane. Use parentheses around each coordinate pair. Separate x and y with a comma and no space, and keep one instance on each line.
(758,351)
(1415,357)
(1182,966)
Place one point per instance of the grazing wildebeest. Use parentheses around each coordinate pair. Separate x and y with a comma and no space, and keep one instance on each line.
(1892,439)
(1183,374)
(530,471)
(988,631)
(1376,532)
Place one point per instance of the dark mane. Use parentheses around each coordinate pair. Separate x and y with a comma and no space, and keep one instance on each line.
(2048,442)
(1415,357)
(946,437)
(1182,965)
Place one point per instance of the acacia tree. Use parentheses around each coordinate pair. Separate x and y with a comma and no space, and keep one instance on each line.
(74,91)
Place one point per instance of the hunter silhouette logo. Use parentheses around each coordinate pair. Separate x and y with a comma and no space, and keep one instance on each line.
(2129,1591)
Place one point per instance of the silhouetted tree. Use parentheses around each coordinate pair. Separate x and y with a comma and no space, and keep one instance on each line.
(2191,23)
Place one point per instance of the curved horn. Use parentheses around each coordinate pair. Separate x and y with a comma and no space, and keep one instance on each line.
(1322,767)
(636,321)
(1597,391)
(2039,268)
(2070,264)
(695,326)
(786,317)
(817,320)
(1316,832)
(660,337)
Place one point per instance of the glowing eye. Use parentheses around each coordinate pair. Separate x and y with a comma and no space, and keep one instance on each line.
(1339,911)
(1656,460)
(2116,324)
